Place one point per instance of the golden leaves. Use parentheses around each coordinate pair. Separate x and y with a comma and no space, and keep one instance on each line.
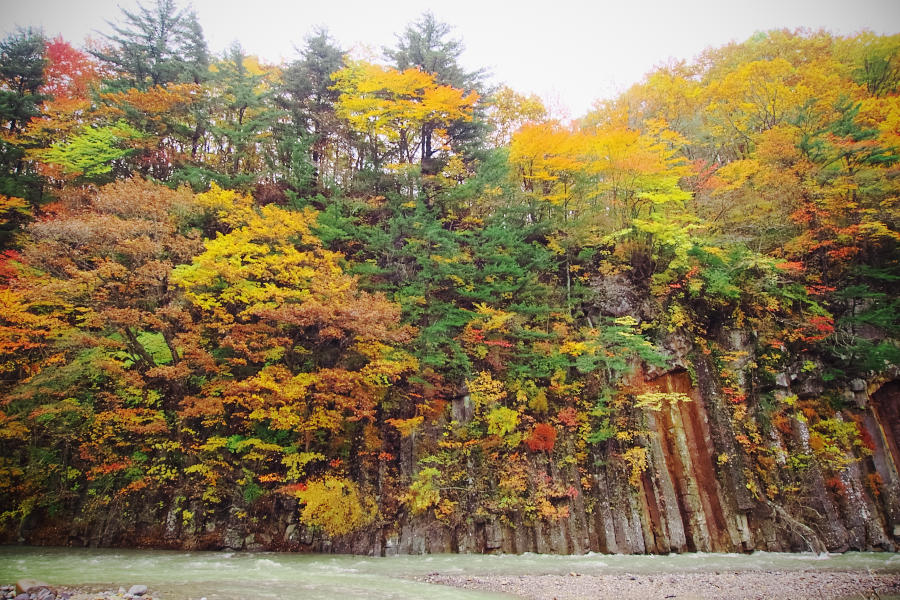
(396,106)
(336,505)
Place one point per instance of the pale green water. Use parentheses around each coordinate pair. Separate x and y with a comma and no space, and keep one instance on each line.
(239,575)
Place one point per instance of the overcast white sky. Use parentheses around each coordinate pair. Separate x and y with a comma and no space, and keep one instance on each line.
(570,52)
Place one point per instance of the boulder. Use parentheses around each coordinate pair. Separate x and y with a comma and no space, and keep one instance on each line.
(615,295)
(137,590)
(30,586)
(783,380)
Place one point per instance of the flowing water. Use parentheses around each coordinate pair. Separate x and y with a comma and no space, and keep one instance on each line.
(241,575)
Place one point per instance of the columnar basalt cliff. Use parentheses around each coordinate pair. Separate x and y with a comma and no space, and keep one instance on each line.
(700,493)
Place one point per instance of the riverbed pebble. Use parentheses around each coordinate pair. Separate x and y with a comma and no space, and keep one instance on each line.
(43,591)
(746,585)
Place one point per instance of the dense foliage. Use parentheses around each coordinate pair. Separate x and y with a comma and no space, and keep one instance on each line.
(387,288)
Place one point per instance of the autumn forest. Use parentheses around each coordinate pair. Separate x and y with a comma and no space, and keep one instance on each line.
(389,306)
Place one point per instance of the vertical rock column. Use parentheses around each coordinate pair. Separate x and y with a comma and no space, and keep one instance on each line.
(883,425)
(689,498)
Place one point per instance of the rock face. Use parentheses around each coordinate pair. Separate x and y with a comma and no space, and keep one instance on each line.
(696,495)
(702,492)
(709,486)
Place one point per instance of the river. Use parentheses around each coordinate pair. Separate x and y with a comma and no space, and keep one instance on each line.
(286,576)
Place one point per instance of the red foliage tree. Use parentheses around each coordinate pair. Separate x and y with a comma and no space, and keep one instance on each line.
(69,72)
(543,437)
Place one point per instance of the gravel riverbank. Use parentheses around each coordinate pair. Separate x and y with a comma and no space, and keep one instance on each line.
(744,585)
(32,589)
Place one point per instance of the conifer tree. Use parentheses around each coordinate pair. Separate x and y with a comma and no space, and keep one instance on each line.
(307,93)
(156,45)
(22,62)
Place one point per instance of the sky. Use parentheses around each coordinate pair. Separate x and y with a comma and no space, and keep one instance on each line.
(569,52)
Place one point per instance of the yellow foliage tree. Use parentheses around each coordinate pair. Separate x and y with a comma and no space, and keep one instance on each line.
(399,111)
(336,505)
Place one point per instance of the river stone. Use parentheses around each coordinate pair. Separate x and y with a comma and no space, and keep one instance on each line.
(43,594)
(30,586)
(137,590)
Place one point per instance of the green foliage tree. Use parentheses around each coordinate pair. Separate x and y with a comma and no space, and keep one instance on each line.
(242,115)
(94,152)
(425,44)
(156,45)
(22,62)
(307,92)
